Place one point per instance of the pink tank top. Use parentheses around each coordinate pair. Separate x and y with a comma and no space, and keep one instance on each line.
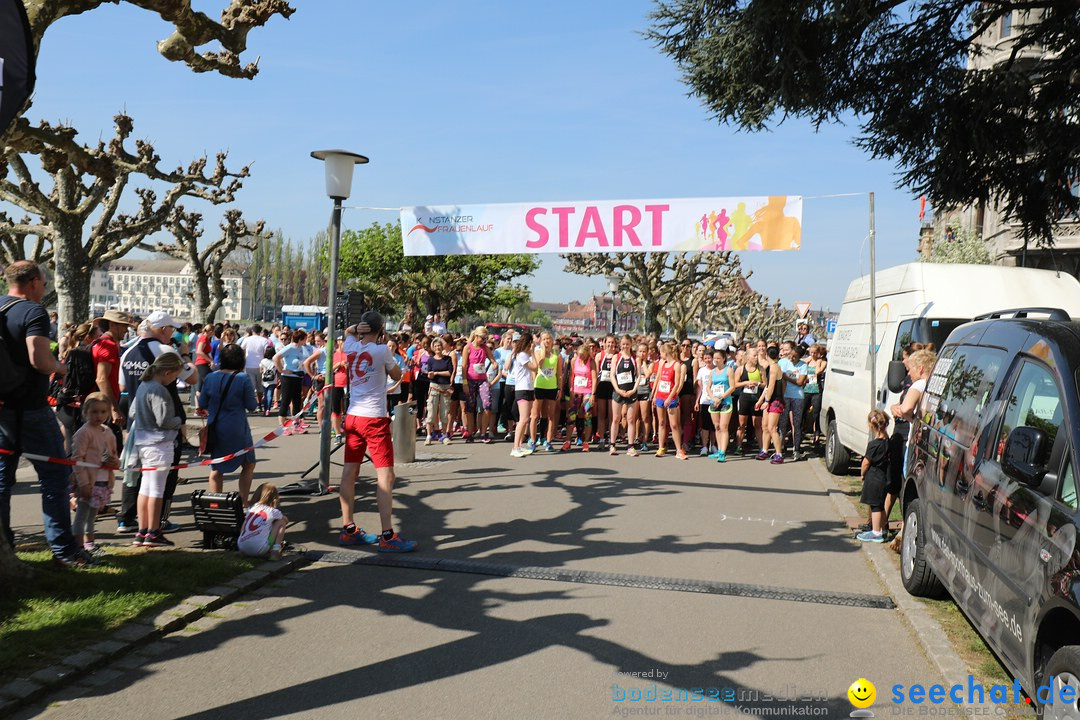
(475,369)
(581,382)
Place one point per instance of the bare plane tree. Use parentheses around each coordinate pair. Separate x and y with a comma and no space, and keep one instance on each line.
(78,224)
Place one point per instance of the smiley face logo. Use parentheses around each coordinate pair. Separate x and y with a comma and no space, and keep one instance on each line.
(862,693)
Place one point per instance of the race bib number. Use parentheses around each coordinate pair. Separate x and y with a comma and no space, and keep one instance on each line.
(605,376)
(478,368)
(624,378)
(581,382)
(664,387)
(548,372)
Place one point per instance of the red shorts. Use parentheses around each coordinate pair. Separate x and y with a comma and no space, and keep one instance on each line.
(776,407)
(370,436)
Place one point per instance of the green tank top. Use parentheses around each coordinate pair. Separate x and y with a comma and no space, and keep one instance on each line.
(545,374)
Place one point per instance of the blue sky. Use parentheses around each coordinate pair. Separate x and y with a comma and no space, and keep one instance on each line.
(471,102)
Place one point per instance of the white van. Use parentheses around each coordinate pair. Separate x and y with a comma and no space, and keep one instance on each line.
(917,302)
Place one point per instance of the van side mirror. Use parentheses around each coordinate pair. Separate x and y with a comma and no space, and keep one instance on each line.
(897,373)
(1023,449)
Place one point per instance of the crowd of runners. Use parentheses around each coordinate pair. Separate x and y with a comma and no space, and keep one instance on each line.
(634,393)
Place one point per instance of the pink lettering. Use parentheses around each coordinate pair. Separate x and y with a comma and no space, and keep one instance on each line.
(564,214)
(627,227)
(541,231)
(657,212)
(592,227)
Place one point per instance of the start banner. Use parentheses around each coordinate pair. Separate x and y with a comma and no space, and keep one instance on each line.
(773,222)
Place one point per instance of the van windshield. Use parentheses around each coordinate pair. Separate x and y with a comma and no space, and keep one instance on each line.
(925,330)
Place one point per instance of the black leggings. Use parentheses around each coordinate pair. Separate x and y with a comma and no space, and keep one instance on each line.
(420,393)
(291,395)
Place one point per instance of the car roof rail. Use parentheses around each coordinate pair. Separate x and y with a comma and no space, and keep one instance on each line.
(1052,313)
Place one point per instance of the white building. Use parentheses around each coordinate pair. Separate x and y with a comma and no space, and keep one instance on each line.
(142,286)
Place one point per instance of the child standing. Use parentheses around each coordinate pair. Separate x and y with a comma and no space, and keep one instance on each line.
(263,531)
(155,427)
(269,374)
(93,443)
(875,477)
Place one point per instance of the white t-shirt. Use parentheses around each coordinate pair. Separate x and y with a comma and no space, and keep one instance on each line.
(254,350)
(523,377)
(369,364)
(255,532)
(704,378)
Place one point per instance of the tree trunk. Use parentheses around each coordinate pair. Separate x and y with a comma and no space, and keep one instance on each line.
(200,286)
(71,277)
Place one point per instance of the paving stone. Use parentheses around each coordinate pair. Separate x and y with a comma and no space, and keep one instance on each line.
(135,633)
(103,677)
(20,689)
(83,660)
(207,601)
(225,592)
(52,675)
(165,621)
(108,648)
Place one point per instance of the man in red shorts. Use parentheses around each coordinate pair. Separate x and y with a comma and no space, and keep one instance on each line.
(367,429)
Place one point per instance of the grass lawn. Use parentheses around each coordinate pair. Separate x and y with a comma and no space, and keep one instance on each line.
(59,611)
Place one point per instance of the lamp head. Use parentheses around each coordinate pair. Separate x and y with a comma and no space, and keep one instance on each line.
(339,171)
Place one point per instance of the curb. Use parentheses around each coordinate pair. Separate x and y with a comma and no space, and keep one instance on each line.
(22,692)
(928,632)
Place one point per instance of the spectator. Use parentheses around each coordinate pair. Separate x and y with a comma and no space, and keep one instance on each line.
(79,382)
(54,328)
(875,468)
(27,423)
(254,346)
(106,353)
(289,362)
(803,337)
(269,376)
(204,354)
(228,396)
(92,487)
(155,426)
(263,531)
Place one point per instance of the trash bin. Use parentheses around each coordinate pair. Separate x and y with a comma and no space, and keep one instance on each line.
(403,433)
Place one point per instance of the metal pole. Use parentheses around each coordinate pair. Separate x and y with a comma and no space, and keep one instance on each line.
(614,312)
(873,310)
(331,340)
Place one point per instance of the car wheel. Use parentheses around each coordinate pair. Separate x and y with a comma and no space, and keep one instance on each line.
(915,571)
(836,455)
(1064,671)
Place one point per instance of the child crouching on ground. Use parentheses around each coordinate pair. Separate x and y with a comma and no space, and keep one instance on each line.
(263,531)
(875,477)
(92,488)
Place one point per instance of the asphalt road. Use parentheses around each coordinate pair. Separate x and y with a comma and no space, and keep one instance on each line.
(763,631)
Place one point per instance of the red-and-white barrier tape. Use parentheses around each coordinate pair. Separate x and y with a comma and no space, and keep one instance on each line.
(278,432)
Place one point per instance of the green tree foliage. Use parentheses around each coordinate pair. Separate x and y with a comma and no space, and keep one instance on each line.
(1007,134)
(372,261)
(962,245)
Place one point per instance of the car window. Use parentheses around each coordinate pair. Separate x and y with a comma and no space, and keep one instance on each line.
(904,337)
(1067,494)
(1035,402)
(969,386)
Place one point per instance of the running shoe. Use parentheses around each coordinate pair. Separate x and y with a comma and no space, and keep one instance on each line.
(548,447)
(715,455)
(578,442)
(585,447)
(467,437)
(565,447)
(661,452)
(532,446)
(94,550)
(427,441)
(501,428)
(644,446)
(721,456)
(763,455)
(487,439)
(396,545)
(600,445)
(613,451)
(518,452)
(154,538)
(777,460)
(139,539)
(357,537)
(871,536)
(681,456)
(125,528)
(632,451)
(526,450)
(509,437)
(445,439)
(301,428)
(704,452)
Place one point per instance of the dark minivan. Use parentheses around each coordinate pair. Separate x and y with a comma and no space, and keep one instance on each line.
(990,497)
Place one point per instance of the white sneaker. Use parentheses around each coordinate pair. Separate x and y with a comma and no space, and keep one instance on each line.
(427,440)
(518,453)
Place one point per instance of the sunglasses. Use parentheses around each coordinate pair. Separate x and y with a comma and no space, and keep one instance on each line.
(687,345)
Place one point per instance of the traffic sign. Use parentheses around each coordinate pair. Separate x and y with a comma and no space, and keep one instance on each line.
(803,308)
(830,327)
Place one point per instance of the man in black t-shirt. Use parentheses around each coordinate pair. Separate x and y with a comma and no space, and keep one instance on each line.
(27,423)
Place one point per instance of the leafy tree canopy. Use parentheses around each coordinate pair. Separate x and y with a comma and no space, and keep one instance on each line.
(371,260)
(1008,133)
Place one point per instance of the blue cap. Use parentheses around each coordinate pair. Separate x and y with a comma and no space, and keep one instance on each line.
(710,343)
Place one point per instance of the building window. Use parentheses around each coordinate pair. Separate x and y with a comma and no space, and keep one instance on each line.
(1006,24)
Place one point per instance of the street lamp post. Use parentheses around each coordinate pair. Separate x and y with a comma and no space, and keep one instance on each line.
(339,165)
(613,286)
